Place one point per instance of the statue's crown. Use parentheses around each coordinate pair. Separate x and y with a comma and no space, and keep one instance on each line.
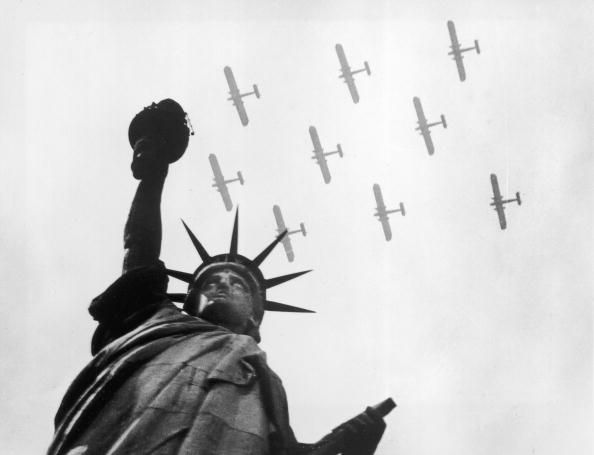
(248,268)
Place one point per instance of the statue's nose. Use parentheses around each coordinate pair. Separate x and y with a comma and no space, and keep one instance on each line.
(224,283)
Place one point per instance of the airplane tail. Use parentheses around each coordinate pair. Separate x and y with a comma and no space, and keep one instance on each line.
(339,150)
(476,46)
(443,121)
(240,177)
(518,198)
(367,68)
(402,209)
(303,231)
(256,91)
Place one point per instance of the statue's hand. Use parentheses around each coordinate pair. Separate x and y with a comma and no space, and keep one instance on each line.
(148,159)
(365,432)
(358,436)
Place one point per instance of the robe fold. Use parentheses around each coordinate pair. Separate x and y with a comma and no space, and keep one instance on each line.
(163,382)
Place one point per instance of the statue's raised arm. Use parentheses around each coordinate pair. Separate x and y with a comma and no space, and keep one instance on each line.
(159,136)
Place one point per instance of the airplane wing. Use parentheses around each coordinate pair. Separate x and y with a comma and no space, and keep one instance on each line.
(428,141)
(460,65)
(456,51)
(319,154)
(346,73)
(379,200)
(420,114)
(279,219)
(453,36)
(220,182)
(495,185)
(350,82)
(236,96)
(233,90)
(501,214)
(344,64)
(386,228)
(497,202)
(241,111)
(324,168)
(315,139)
(286,241)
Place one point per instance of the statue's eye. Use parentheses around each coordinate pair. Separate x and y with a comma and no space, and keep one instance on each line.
(238,284)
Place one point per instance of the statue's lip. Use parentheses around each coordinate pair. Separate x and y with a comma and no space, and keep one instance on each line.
(220,295)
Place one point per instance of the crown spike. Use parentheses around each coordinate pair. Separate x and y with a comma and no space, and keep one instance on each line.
(201,251)
(264,254)
(233,249)
(183,276)
(271,282)
(269,305)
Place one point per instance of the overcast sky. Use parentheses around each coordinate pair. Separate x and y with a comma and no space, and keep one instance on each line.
(483,337)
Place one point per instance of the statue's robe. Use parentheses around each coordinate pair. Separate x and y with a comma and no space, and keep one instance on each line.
(163,382)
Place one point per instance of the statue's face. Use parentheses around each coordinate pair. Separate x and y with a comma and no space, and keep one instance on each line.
(225,298)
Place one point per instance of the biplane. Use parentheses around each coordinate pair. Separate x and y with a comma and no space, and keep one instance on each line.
(424,127)
(457,50)
(382,212)
(281,227)
(220,183)
(236,96)
(347,74)
(498,201)
(320,155)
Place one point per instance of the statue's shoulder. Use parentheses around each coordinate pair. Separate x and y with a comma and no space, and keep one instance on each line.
(132,299)
(134,290)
